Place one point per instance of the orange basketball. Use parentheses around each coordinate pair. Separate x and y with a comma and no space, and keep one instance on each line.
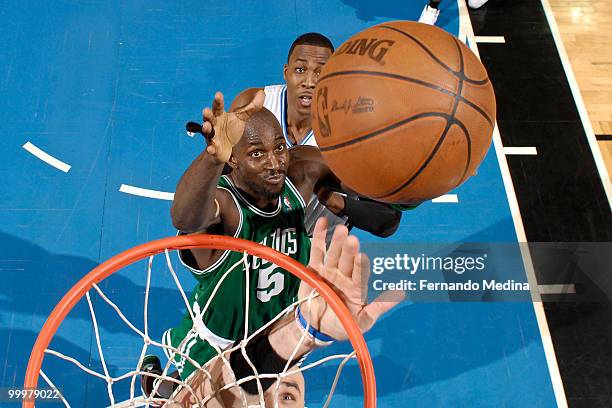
(404,112)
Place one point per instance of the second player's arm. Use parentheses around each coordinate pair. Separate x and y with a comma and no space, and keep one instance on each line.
(310,172)
(377,218)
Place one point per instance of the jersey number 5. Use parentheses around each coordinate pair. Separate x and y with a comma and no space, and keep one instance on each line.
(271,282)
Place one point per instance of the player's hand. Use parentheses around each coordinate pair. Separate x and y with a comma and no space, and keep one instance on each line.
(222,129)
(347,271)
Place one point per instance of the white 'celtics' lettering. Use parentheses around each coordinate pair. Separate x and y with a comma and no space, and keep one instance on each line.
(271,281)
(284,241)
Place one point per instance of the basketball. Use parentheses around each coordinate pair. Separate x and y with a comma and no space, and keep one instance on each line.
(403,112)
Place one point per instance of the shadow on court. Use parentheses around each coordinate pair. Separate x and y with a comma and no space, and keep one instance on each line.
(429,343)
(33,281)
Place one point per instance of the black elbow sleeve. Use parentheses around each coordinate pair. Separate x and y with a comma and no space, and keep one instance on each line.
(390,227)
(371,216)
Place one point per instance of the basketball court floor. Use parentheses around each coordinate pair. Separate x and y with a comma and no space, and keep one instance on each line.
(95,99)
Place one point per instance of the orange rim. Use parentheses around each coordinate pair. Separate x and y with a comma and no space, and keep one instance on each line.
(132,255)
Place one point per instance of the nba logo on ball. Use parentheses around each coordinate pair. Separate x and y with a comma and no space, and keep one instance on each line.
(429,119)
(322,116)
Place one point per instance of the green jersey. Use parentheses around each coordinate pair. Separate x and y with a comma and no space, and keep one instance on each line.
(270,288)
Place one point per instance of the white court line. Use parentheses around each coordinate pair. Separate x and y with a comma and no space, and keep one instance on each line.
(46,157)
(527,151)
(584,116)
(557,289)
(144,192)
(547,344)
(446,198)
(490,39)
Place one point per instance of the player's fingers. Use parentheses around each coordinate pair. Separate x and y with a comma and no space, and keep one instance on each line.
(336,280)
(335,247)
(320,232)
(317,246)
(359,279)
(208,116)
(348,256)
(332,277)
(218,104)
(255,105)
(207,128)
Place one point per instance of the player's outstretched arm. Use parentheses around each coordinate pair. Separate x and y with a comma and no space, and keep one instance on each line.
(377,218)
(309,172)
(346,270)
(197,203)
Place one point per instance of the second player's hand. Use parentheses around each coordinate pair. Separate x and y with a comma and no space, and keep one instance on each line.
(347,271)
(224,129)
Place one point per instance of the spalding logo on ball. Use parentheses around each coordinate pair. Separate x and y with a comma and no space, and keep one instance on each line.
(404,112)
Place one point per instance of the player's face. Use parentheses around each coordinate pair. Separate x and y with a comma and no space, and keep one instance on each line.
(302,74)
(262,162)
(290,392)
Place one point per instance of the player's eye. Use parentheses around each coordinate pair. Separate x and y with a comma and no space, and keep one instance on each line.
(256,154)
(287,396)
(300,70)
(280,147)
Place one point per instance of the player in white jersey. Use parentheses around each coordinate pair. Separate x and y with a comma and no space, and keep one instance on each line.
(276,102)
(290,103)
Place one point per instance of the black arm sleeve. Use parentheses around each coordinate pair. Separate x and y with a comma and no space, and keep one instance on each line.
(265,360)
(376,218)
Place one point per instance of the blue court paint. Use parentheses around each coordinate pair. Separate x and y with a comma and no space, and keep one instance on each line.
(108,87)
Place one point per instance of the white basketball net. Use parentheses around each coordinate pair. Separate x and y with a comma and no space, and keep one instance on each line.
(136,397)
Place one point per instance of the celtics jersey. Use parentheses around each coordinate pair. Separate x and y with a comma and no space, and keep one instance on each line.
(270,288)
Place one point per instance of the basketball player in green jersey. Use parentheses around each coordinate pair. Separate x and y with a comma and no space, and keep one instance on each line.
(343,267)
(262,200)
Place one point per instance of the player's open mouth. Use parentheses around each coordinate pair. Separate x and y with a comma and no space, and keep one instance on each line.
(305,100)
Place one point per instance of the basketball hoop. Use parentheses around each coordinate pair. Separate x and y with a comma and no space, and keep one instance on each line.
(104,270)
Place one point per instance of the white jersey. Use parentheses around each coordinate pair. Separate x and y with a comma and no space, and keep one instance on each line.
(276,102)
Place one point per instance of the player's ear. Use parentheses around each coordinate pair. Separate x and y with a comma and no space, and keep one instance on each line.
(232,162)
(285,68)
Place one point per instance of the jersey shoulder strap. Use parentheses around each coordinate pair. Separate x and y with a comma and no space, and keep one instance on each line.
(243,203)
(275,100)
(291,194)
